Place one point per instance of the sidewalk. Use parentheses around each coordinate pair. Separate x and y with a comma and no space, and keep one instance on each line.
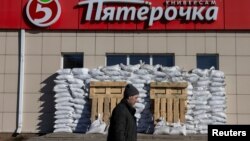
(100,137)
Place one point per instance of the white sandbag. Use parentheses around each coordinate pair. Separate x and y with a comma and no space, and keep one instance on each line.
(188,117)
(178,130)
(139,105)
(78,106)
(203,116)
(191,77)
(66,90)
(174,74)
(190,86)
(218,98)
(138,86)
(198,102)
(95,72)
(63,94)
(125,73)
(64,71)
(202,127)
(66,108)
(150,67)
(138,115)
(117,78)
(112,68)
(217,89)
(75,81)
(130,68)
(160,74)
(102,77)
(218,110)
(218,119)
(216,73)
(69,113)
(200,72)
(203,83)
(112,73)
(140,100)
(161,130)
(143,95)
(79,86)
(217,102)
(220,114)
(206,121)
(204,131)
(217,84)
(190,126)
(190,106)
(198,112)
(63,116)
(78,95)
(78,101)
(65,104)
(142,91)
(61,126)
(202,107)
(98,126)
(216,79)
(141,72)
(170,69)
(161,127)
(77,90)
(60,86)
(60,82)
(176,79)
(64,121)
(83,76)
(63,99)
(80,71)
(218,93)
(218,106)
(64,77)
(201,93)
(137,81)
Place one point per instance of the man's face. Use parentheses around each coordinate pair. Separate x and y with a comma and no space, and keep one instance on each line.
(132,99)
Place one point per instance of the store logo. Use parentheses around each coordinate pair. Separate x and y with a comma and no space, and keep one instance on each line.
(142,10)
(43,13)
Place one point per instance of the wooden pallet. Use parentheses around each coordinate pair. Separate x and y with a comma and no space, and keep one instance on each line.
(169,100)
(105,96)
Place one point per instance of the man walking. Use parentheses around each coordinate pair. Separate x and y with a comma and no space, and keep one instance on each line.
(123,122)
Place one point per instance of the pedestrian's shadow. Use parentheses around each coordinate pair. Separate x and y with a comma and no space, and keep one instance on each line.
(47,105)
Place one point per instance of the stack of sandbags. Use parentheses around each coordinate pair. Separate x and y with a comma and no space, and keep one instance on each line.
(201,94)
(80,100)
(64,107)
(218,99)
(72,90)
(72,103)
(141,79)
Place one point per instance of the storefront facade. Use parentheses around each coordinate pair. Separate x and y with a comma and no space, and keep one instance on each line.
(150,30)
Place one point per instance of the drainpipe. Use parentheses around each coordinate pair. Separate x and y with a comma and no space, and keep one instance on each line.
(21,82)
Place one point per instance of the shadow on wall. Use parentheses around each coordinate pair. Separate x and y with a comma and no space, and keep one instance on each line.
(47,106)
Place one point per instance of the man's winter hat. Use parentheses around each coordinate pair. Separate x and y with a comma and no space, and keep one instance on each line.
(130,90)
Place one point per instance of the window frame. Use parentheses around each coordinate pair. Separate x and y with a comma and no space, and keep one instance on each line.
(217,67)
(146,54)
(70,53)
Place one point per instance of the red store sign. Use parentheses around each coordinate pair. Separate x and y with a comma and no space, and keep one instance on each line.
(123,14)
